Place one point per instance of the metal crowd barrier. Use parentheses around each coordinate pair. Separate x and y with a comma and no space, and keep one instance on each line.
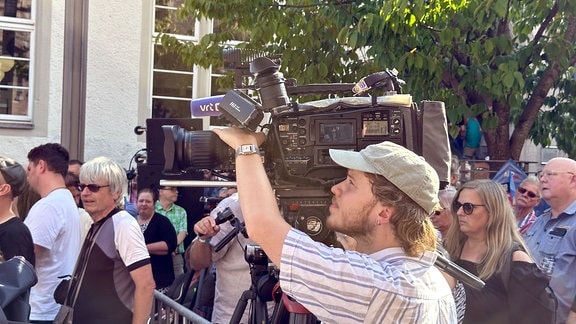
(167,311)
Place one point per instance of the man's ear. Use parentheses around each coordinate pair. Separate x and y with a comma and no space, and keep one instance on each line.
(5,189)
(385,214)
(42,166)
(117,195)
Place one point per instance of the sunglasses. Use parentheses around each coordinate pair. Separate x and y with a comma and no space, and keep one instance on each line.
(438,212)
(92,187)
(467,207)
(526,191)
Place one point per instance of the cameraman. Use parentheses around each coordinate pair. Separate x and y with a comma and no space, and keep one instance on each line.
(232,270)
(384,203)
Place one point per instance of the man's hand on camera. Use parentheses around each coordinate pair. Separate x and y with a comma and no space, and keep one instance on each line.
(234,136)
(206,228)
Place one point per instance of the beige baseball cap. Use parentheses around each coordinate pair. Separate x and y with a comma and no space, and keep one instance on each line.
(402,167)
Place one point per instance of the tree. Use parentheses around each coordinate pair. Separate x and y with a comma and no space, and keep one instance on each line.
(503,60)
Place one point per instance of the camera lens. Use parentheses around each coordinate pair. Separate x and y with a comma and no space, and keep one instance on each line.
(185,149)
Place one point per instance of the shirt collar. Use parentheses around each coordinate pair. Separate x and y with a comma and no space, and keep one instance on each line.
(396,254)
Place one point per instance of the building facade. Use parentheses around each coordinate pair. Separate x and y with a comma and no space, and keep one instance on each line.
(125,78)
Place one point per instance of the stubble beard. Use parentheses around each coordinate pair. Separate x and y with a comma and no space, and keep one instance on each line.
(353,223)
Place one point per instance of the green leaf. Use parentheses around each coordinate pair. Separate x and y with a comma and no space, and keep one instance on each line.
(508,80)
(322,69)
(519,79)
(418,61)
(353,38)
(500,7)
(489,46)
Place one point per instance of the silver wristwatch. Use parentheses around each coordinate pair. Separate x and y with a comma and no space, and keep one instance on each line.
(247,149)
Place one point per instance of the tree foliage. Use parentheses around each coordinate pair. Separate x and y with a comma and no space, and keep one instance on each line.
(508,61)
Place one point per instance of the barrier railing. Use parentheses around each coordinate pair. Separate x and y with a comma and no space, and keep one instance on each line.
(168,311)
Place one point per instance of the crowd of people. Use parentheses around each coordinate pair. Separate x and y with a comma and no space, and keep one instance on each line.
(71,219)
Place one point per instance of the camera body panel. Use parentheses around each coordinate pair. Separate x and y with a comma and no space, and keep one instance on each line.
(300,141)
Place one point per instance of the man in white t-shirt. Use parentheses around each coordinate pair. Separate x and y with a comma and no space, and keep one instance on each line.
(55,226)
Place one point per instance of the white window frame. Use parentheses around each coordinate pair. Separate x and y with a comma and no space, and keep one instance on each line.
(22,25)
(192,38)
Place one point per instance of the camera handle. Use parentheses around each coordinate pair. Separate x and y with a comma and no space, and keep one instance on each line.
(239,227)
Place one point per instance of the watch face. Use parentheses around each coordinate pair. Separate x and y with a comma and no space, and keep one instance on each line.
(247,149)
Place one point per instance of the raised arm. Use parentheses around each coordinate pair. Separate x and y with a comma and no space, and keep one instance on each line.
(264,223)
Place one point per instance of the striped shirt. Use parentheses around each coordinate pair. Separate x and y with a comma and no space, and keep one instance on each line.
(350,287)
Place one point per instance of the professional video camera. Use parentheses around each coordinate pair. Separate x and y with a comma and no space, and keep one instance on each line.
(295,154)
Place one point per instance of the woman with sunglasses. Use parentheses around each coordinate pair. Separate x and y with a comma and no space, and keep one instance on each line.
(483,239)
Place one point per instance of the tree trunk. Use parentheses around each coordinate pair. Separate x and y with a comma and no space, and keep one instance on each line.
(497,139)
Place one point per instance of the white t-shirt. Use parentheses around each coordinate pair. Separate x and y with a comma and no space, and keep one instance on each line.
(85,222)
(54,222)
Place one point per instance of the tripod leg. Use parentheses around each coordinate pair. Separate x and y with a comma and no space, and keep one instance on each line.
(241,306)
(259,311)
(280,314)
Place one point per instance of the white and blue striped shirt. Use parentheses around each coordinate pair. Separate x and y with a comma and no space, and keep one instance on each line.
(349,287)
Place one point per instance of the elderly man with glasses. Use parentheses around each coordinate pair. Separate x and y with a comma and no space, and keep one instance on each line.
(552,238)
(526,198)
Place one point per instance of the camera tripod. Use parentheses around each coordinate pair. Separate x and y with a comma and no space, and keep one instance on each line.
(265,288)
(259,293)
(264,285)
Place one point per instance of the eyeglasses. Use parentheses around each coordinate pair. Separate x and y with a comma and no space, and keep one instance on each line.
(439,211)
(547,174)
(92,187)
(467,207)
(527,192)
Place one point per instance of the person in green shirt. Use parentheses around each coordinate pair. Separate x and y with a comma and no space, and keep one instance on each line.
(179,219)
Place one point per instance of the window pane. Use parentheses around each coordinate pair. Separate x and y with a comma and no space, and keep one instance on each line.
(166,108)
(14,101)
(167,20)
(217,88)
(16,8)
(15,43)
(172,84)
(169,61)
(14,71)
